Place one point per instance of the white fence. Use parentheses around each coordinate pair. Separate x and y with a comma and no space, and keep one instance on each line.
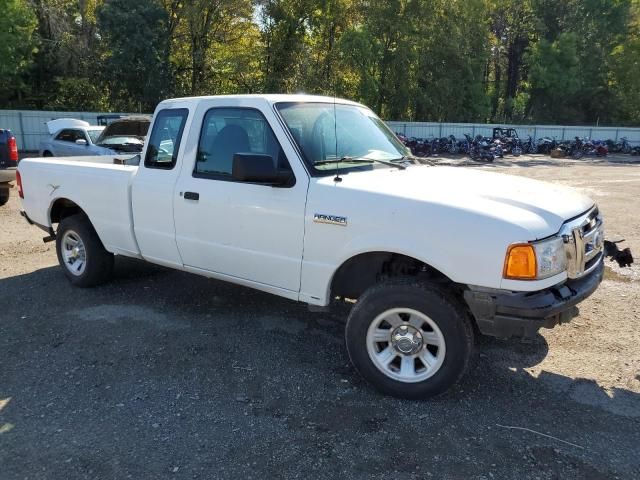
(560,132)
(29,128)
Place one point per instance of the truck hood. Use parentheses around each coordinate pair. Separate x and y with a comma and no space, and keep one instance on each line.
(539,207)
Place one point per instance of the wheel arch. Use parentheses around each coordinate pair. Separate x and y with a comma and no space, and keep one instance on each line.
(63,207)
(363,270)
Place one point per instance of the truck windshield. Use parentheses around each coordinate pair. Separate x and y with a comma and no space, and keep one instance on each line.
(94,133)
(361,136)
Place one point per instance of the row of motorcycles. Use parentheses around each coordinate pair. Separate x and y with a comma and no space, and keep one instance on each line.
(505,141)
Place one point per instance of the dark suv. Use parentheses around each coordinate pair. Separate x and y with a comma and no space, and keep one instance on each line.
(8,163)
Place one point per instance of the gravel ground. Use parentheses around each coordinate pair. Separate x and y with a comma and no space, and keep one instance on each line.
(162,374)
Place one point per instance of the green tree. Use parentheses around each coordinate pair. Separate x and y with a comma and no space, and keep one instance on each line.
(453,50)
(17,48)
(554,74)
(587,31)
(284,25)
(213,47)
(381,49)
(568,61)
(512,26)
(624,78)
(135,42)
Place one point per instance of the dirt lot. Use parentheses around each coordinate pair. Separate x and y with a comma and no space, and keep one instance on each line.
(162,374)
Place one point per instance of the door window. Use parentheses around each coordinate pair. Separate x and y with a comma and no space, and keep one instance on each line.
(71,135)
(66,135)
(227,131)
(165,138)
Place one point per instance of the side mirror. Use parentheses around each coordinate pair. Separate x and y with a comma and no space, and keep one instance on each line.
(255,168)
(81,141)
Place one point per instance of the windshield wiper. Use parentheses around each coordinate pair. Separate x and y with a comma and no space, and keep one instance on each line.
(362,160)
(415,160)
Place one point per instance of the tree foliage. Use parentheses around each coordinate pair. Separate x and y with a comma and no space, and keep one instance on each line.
(566,61)
(18,45)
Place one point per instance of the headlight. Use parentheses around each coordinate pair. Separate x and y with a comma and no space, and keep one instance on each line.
(535,261)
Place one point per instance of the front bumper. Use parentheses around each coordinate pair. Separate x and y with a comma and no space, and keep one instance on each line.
(505,314)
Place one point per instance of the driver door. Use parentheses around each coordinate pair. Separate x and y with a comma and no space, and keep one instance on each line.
(244,231)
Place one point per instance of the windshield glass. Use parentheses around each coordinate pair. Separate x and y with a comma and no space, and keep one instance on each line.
(126,128)
(360,136)
(94,134)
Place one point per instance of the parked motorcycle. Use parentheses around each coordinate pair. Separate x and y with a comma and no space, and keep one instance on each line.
(480,149)
(546,145)
(529,146)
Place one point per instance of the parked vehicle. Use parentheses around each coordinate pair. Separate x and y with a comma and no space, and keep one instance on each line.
(505,141)
(125,135)
(315,199)
(546,145)
(77,138)
(452,145)
(8,163)
(529,146)
(508,139)
(481,149)
(621,146)
(577,148)
(597,148)
(71,137)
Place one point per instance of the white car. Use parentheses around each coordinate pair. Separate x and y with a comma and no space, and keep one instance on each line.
(314,199)
(71,137)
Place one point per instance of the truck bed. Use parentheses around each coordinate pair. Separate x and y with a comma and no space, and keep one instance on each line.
(100,186)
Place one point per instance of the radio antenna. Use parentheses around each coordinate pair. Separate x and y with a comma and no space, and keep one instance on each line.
(337,178)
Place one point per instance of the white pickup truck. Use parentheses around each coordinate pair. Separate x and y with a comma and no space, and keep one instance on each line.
(315,199)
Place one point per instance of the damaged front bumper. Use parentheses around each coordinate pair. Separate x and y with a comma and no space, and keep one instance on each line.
(505,314)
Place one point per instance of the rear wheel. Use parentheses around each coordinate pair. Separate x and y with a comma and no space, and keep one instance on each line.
(409,340)
(47,154)
(81,255)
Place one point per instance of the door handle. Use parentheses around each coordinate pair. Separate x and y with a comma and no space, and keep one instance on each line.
(191,196)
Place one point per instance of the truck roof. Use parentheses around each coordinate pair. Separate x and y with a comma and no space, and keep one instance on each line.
(270,97)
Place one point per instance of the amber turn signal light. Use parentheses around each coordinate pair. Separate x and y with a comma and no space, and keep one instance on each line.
(520,263)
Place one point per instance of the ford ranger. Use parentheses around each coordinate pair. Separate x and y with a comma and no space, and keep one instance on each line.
(315,199)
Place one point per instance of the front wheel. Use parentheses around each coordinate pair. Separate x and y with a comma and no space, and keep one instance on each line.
(410,340)
(83,258)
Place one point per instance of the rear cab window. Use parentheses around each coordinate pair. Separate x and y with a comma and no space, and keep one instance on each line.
(166,136)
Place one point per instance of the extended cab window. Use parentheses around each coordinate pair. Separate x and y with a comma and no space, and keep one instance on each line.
(164,141)
(227,131)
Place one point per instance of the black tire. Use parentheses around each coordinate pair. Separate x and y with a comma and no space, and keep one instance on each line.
(431,300)
(98,261)
(4,194)
(47,154)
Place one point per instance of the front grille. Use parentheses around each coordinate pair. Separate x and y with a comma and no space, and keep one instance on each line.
(583,240)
